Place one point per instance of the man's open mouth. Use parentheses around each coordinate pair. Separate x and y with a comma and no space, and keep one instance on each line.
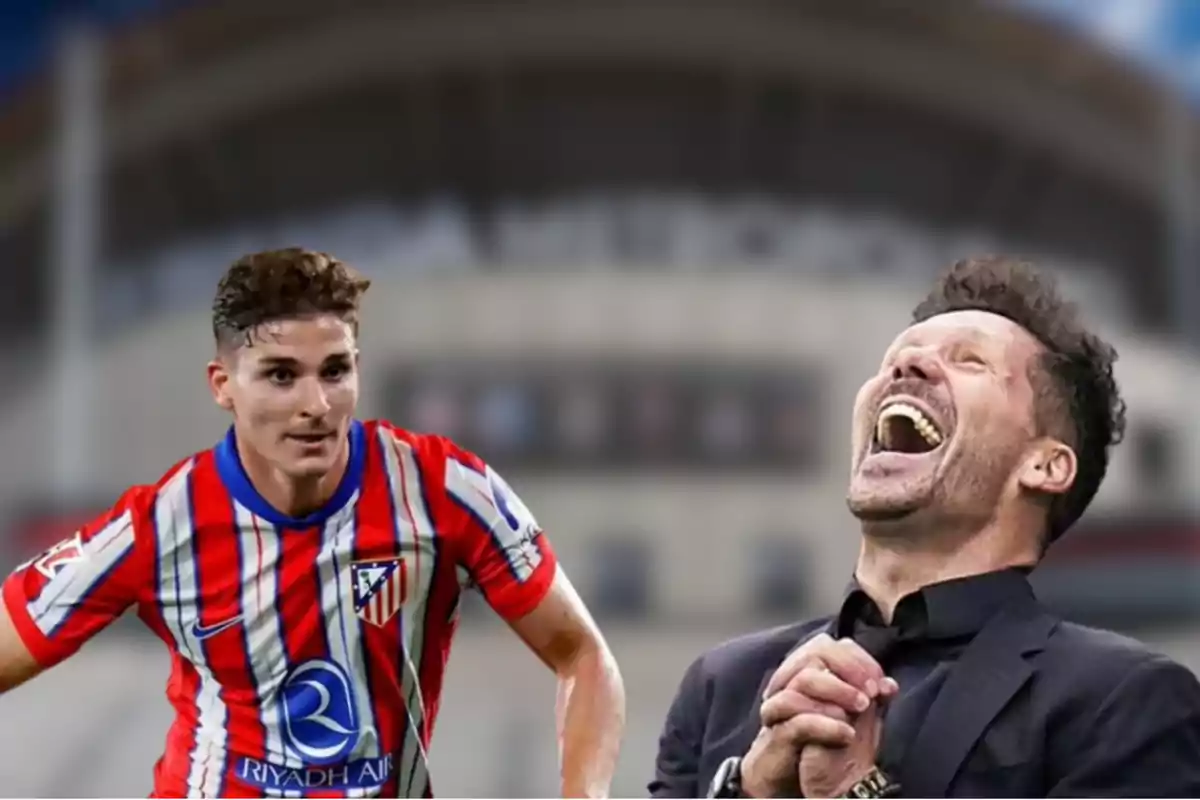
(903,427)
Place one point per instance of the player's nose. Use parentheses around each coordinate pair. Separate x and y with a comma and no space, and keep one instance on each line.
(314,401)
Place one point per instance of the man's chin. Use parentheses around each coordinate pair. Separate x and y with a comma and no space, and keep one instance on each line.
(308,468)
(881,513)
(883,506)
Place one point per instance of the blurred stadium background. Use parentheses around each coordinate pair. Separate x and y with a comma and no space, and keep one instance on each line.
(638,255)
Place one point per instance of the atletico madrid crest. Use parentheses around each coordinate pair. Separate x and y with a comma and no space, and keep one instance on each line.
(380,588)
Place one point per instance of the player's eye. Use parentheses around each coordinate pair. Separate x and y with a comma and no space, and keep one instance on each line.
(280,376)
(335,372)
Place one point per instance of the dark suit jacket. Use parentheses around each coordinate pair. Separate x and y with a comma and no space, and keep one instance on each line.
(1035,707)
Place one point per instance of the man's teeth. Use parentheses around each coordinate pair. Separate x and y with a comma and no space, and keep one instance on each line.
(922,423)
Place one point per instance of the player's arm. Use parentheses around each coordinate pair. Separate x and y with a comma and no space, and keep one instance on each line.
(513,565)
(58,600)
(591,694)
(17,664)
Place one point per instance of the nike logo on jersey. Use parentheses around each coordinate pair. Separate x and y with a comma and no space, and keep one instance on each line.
(201,632)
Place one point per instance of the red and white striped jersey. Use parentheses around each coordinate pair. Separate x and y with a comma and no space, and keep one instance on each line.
(307,654)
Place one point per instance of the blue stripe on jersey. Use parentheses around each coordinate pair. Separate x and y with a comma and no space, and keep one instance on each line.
(158,562)
(491,531)
(432,568)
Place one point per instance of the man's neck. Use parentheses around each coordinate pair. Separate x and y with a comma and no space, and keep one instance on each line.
(295,497)
(890,568)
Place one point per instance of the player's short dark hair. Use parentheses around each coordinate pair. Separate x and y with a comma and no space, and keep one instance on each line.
(283,284)
(1076,394)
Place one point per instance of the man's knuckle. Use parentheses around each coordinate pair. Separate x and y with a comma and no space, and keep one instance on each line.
(834,712)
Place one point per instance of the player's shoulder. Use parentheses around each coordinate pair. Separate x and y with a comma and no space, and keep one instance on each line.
(142,497)
(430,448)
(135,510)
(171,490)
(755,653)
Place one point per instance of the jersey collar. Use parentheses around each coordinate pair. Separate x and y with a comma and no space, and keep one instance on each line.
(233,475)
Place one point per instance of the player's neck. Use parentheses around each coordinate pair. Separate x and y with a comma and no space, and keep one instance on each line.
(289,495)
(891,568)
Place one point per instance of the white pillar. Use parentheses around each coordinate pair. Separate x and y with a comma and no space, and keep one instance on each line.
(73,250)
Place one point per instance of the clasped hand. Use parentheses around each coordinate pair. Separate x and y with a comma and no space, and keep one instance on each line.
(821,722)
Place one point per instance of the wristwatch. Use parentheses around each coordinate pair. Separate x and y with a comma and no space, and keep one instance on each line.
(875,783)
(727,782)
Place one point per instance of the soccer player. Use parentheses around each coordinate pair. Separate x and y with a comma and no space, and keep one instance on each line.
(305,573)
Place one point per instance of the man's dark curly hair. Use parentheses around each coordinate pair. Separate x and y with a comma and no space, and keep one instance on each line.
(1076,395)
(283,284)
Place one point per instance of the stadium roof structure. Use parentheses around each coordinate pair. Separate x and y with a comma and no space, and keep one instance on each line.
(963,112)
(1161,36)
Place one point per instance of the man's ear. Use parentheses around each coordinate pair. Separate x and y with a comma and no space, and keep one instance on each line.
(218,382)
(1049,468)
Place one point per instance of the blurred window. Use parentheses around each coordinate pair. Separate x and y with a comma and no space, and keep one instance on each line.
(594,415)
(622,577)
(582,419)
(1153,450)
(779,575)
(505,420)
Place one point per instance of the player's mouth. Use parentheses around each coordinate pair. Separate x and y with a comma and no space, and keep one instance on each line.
(906,430)
(311,439)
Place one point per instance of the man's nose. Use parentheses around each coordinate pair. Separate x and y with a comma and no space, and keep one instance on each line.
(315,402)
(917,363)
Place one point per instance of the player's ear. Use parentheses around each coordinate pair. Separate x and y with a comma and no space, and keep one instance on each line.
(1049,468)
(218,382)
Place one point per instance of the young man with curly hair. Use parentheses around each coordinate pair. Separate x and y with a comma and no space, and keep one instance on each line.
(305,572)
(981,439)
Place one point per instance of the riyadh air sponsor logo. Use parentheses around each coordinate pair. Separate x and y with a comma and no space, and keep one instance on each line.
(319,716)
(365,773)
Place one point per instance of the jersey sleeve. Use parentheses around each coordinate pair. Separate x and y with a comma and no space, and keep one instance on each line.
(499,541)
(73,590)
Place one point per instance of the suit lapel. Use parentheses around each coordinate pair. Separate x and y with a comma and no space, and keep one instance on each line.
(990,671)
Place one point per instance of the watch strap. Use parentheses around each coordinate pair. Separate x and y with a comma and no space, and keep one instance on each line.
(875,783)
(727,782)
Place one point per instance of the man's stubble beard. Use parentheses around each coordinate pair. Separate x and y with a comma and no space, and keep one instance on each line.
(965,493)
